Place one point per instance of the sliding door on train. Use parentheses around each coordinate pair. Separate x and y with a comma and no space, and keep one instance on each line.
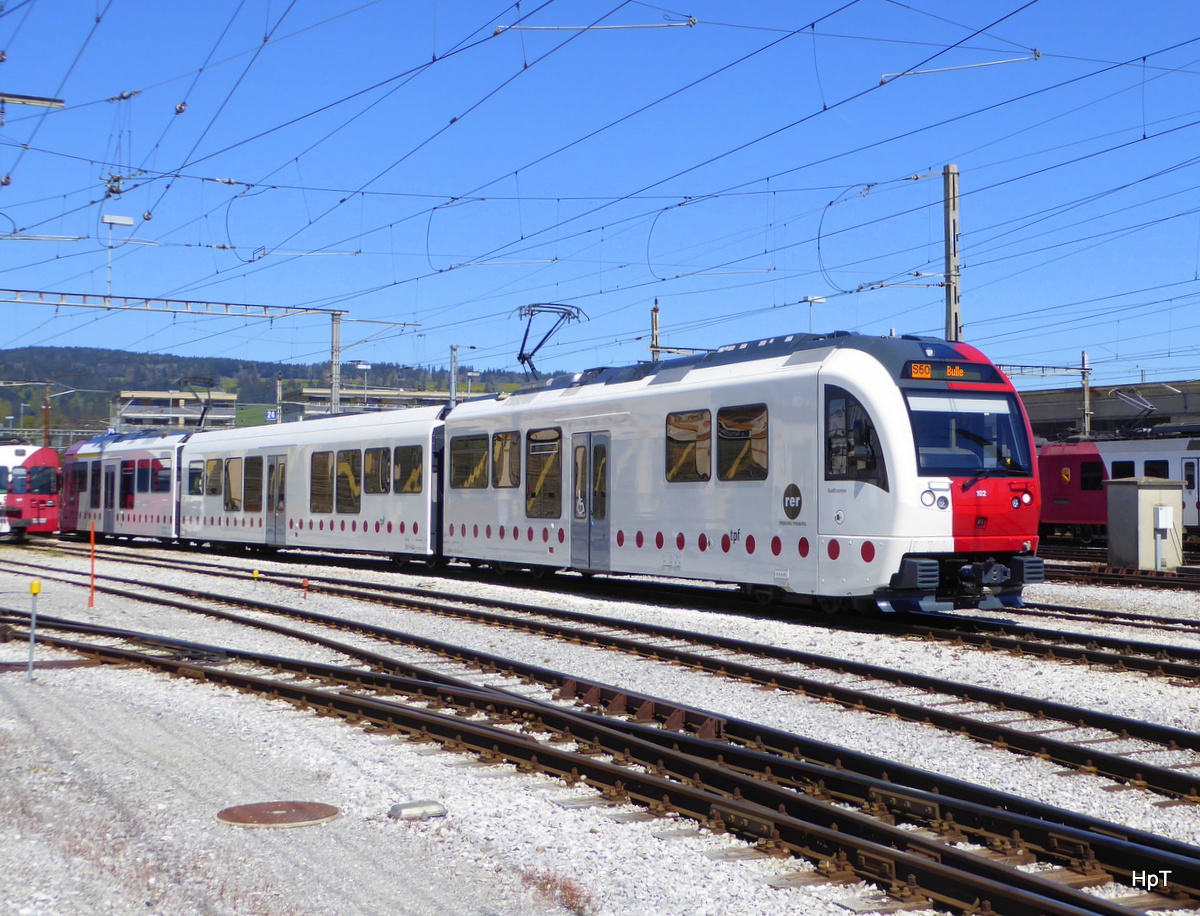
(276,500)
(589,503)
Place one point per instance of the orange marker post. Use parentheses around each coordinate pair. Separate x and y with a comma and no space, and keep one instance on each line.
(92,588)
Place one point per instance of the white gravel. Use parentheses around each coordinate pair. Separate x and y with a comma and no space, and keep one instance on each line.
(110,794)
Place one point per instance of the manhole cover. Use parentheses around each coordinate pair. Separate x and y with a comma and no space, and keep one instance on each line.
(278,814)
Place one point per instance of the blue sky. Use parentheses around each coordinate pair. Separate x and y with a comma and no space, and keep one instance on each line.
(432,168)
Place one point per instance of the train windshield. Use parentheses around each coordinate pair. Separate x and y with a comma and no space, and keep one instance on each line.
(961,434)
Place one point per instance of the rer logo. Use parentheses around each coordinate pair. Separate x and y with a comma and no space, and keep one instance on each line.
(1065,473)
(792,501)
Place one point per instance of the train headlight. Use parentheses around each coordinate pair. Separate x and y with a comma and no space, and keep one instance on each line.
(942,502)
(1027,498)
(927,498)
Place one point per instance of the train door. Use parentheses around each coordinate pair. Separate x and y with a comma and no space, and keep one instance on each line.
(110,498)
(589,502)
(1191,496)
(276,502)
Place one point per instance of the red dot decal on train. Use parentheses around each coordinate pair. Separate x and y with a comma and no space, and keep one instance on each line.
(658,540)
(502,532)
(416,526)
(310,524)
(343,524)
(749,543)
(680,541)
(487,532)
(474,531)
(562,535)
(620,538)
(378,527)
(389,527)
(725,543)
(868,551)
(776,546)
(451,531)
(639,539)
(516,533)
(529,534)
(703,542)
(545,535)
(835,550)
(353,526)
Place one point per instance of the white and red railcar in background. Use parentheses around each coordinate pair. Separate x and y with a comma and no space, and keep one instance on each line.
(1073,475)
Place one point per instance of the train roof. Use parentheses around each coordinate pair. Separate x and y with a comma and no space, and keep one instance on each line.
(892,352)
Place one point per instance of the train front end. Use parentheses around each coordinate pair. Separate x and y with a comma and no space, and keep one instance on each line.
(972,506)
(28,489)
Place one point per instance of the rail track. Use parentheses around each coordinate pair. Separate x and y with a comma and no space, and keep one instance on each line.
(964,855)
(1068,735)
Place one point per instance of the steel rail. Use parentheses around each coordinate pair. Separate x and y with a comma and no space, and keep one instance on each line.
(908,866)
(782,750)
(1084,759)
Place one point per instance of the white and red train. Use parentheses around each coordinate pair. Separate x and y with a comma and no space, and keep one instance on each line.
(1073,475)
(890,473)
(28,489)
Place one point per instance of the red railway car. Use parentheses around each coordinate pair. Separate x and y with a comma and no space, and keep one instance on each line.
(29,479)
(1073,474)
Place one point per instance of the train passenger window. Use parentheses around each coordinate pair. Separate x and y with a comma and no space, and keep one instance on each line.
(127,480)
(252,492)
(143,475)
(742,442)
(195,486)
(506,459)
(689,446)
(468,462)
(543,473)
(599,481)
(94,486)
(42,480)
(233,484)
(1122,469)
(320,494)
(1091,475)
(212,477)
(1189,475)
(377,470)
(79,480)
(408,466)
(160,475)
(17,481)
(852,449)
(349,487)
(1157,468)
(3,479)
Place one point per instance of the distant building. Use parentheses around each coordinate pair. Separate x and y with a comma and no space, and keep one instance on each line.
(133,410)
(1055,413)
(316,402)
